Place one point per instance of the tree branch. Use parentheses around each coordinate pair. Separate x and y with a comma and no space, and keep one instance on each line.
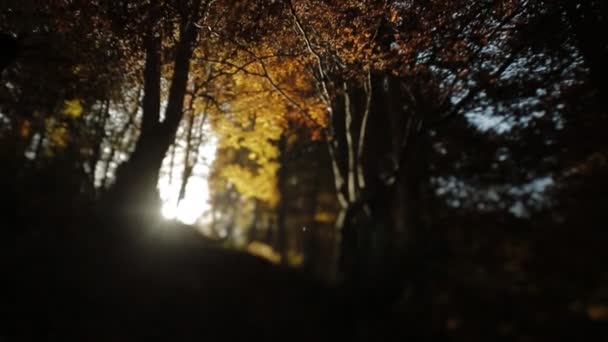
(348,123)
(363,130)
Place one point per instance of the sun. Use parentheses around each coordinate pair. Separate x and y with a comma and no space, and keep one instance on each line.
(194,204)
(196,200)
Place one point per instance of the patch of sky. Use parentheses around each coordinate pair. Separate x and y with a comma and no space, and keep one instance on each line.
(486,118)
(520,200)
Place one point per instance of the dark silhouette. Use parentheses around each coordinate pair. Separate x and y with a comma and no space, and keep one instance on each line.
(8,50)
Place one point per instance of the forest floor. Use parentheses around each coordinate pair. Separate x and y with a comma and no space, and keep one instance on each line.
(160,285)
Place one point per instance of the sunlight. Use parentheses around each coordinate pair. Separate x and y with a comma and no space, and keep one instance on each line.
(191,207)
(196,200)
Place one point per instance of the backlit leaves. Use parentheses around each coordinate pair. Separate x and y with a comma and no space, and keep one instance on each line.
(72,108)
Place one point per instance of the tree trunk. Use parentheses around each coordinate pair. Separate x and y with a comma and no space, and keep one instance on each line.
(587,19)
(135,191)
(282,209)
(252,231)
(384,234)
(413,254)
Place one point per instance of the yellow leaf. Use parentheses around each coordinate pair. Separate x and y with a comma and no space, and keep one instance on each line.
(265,251)
(26,128)
(59,137)
(294,258)
(324,217)
(72,108)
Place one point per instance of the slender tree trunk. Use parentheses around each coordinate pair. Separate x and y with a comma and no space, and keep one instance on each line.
(118,142)
(311,234)
(282,242)
(99,137)
(252,231)
(188,162)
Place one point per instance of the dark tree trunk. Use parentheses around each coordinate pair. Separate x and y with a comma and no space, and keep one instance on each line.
(588,18)
(311,236)
(385,236)
(382,224)
(415,259)
(282,209)
(9,47)
(253,231)
(135,191)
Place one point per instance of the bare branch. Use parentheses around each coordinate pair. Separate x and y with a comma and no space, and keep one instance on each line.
(321,69)
(348,123)
(474,91)
(266,75)
(363,129)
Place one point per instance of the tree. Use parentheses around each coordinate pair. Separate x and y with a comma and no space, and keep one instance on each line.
(52,125)
(585,18)
(136,181)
